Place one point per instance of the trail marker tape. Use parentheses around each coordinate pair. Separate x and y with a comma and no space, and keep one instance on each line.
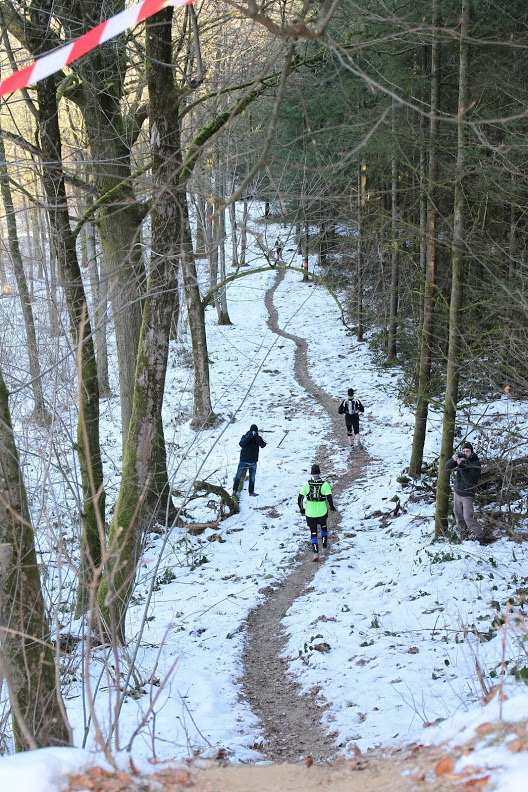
(55,60)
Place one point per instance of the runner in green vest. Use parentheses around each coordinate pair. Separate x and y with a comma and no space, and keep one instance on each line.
(315,498)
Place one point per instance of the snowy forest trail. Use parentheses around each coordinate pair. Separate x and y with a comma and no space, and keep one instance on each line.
(291,728)
(291,721)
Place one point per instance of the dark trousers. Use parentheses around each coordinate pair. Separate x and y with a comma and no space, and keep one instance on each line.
(312,523)
(352,423)
(251,467)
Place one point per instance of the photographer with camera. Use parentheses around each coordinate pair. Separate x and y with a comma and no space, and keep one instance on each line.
(466,465)
(250,443)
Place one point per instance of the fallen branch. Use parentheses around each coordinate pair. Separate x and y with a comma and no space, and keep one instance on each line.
(225,498)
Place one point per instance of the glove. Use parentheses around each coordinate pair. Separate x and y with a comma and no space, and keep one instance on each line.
(333,508)
(302,511)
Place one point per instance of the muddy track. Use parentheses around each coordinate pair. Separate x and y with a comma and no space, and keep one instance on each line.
(291,720)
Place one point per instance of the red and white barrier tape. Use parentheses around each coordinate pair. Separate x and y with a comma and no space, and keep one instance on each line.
(55,60)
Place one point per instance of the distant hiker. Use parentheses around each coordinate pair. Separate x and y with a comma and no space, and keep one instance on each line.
(278,249)
(314,500)
(466,465)
(250,443)
(351,408)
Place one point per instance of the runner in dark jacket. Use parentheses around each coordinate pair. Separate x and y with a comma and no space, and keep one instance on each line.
(250,443)
(351,408)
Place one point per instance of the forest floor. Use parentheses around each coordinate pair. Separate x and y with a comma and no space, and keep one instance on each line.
(410,769)
(297,753)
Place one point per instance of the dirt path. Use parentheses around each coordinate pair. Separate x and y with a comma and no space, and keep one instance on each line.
(291,721)
(409,769)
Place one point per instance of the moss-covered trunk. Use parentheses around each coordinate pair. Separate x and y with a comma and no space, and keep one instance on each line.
(141,461)
(98,90)
(26,655)
(111,135)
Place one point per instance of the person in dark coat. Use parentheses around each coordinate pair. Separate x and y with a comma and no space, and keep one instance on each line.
(250,443)
(466,466)
(351,408)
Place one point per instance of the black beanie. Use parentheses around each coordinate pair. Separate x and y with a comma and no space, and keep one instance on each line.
(468,445)
(316,470)
(351,391)
(253,428)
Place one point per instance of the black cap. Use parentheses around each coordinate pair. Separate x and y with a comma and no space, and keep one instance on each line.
(253,428)
(351,391)
(468,445)
(315,471)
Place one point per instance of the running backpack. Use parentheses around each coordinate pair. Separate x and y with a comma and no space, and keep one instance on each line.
(350,407)
(314,491)
(353,407)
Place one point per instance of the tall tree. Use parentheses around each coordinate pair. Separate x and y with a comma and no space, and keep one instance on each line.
(133,513)
(394,283)
(26,654)
(426,347)
(88,446)
(40,411)
(172,245)
(97,87)
(458,256)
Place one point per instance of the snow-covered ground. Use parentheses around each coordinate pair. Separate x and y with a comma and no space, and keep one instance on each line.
(409,622)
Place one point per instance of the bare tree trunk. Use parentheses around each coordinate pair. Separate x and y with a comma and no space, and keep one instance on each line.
(394,286)
(233,234)
(221,303)
(26,655)
(39,243)
(4,286)
(323,243)
(119,232)
(457,283)
(99,289)
(423,212)
(201,244)
(88,447)
(40,412)
(98,93)
(141,460)
(111,134)
(359,251)
(202,410)
(424,374)
(305,242)
(243,234)
(213,240)
(30,247)
(51,280)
